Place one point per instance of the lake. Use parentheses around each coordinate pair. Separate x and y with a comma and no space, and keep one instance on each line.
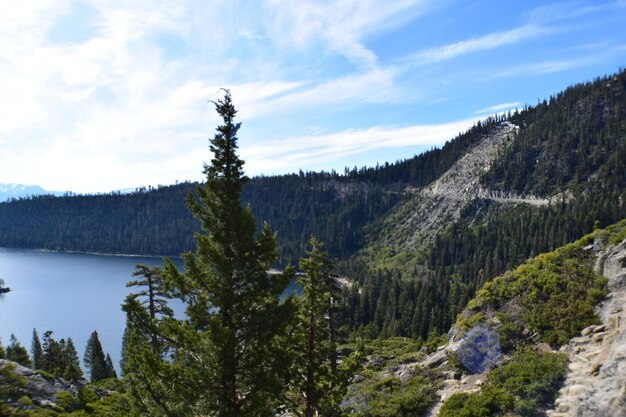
(71,294)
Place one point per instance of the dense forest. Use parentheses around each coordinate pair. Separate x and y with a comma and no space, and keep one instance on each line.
(573,143)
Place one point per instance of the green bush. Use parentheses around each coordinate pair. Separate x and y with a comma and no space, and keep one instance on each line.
(390,398)
(67,401)
(46,375)
(24,401)
(530,381)
(558,290)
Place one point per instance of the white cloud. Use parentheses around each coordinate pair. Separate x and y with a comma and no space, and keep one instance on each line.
(540,68)
(291,154)
(340,26)
(499,108)
(126,102)
(477,44)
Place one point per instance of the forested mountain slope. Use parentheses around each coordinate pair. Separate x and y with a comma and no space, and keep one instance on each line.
(413,216)
(336,208)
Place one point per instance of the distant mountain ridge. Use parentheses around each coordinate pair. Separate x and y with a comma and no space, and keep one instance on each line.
(16,191)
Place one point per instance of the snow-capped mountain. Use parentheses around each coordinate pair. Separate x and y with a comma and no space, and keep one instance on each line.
(9,191)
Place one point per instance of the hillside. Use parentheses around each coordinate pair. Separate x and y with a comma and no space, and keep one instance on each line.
(543,339)
(419,236)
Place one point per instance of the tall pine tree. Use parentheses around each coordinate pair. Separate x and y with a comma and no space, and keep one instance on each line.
(319,382)
(36,351)
(225,360)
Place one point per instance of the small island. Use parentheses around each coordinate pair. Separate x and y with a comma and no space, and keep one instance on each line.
(3,289)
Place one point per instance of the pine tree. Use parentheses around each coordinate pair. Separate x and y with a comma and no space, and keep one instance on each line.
(72,371)
(315,302)
(94,359)
(17,353)
(323,381)
(36,351)
(152,297)
(2,352)
(110,369)
(226,359)
(52,353)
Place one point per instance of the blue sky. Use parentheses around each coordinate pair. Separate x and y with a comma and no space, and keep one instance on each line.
(110,94)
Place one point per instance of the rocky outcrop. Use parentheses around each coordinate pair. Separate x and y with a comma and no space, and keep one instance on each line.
(442,201)
(455,381)
(42,390)
(596,381)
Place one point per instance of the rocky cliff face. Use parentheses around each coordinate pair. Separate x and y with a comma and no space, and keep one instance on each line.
(596,381)
(42,390)
(433,208)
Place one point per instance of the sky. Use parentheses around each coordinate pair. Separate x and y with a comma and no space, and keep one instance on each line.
(105,95)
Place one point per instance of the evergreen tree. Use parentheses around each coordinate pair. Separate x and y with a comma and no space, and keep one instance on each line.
(153,297)
(94,359)
(110,369)
(17,353)
(125,348)
(226,358)
(72,371)
(51,354)
(323,382)
(315,302)
(36,351)
(2,353)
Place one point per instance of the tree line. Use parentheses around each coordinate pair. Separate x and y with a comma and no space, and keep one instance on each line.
(59,358)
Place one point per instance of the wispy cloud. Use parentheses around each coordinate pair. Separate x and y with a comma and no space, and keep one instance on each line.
(540,68)
(499,108)
(288,155)
(123,87)
(559,11)
(477,44)
(339,26)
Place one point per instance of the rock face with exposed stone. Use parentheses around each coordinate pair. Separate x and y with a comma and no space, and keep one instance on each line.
(42,391)
(596,381)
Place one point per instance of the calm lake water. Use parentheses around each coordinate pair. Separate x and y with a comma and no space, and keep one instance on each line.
(71,294)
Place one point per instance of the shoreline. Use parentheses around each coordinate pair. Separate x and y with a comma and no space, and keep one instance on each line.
(122,255)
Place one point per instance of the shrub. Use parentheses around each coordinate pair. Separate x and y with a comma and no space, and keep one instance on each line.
(24,401)
(530,381)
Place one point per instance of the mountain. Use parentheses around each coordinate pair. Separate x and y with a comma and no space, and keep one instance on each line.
(418,237)
(17,191)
